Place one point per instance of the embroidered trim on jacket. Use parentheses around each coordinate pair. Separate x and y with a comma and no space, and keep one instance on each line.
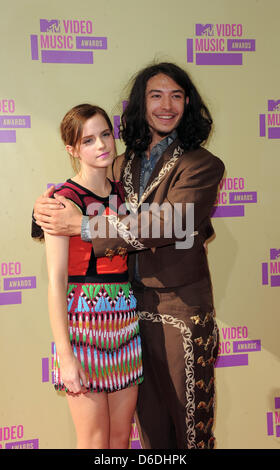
(132,197)
(189,367)
(124,232)
(128,185)
(165,169)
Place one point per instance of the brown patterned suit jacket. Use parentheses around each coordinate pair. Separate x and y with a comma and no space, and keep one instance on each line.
(178,177)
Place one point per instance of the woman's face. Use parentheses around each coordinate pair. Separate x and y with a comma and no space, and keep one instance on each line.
(97,147)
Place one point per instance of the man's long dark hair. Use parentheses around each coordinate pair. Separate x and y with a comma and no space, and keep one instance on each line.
(196,122)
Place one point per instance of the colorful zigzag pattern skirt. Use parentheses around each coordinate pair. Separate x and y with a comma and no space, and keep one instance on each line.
(104,334)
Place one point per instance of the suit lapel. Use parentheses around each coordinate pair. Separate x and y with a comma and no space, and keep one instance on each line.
(131,174)
(131,181)
(162,168)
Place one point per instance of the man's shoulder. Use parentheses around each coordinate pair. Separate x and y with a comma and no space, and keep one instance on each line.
(200,157)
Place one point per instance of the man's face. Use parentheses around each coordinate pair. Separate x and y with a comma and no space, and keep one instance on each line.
(165,102)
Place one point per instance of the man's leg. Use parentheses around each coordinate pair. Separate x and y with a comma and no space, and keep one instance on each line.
(179,353)
(153,418)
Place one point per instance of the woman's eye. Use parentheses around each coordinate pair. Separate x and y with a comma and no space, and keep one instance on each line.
(88,141)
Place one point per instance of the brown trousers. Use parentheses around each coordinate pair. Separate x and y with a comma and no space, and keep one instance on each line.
(179,335)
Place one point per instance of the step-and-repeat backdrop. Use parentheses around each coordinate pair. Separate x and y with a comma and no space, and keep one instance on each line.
(55,55)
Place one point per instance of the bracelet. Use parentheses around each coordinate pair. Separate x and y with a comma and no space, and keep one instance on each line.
(85,231)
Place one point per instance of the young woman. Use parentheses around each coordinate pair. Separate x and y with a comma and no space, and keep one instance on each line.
(91,303)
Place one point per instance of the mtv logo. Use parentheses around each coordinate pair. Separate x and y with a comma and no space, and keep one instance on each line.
(204,29)
(274,253)
(273,105)
(49,26)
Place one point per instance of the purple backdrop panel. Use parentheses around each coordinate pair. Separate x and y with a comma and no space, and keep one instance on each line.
(204,29)
(244,197)
(269,421)
(273,105)
(246,346)
(11,121)
(7,137)
(67,57)
(262,125)
(135,445)
(45,369)
(31,444)
(134,437)
(189,50)
(50,26)
(232,360)
(274,253)
(34,47)
(13,283)
(218,58)
(264,274)
(57,185)
(10,298)
(228,211)
(89,42)
(275,281)
(277,402)
(274,132)
(241,45)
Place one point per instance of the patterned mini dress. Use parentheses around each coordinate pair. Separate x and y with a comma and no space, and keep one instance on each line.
(102,317)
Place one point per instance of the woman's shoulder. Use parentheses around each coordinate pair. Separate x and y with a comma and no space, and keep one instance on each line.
(71,191)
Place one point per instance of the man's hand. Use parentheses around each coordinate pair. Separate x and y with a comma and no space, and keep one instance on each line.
(57,216)
(45,202)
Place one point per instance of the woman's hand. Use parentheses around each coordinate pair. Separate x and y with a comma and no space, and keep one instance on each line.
(73,375)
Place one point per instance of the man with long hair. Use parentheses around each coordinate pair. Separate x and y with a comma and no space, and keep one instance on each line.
(165,167)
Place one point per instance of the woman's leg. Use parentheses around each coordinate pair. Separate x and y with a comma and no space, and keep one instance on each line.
(90,414)
(121,408)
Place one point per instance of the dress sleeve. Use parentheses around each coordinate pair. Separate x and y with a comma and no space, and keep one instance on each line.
(36,232)
(70,194)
